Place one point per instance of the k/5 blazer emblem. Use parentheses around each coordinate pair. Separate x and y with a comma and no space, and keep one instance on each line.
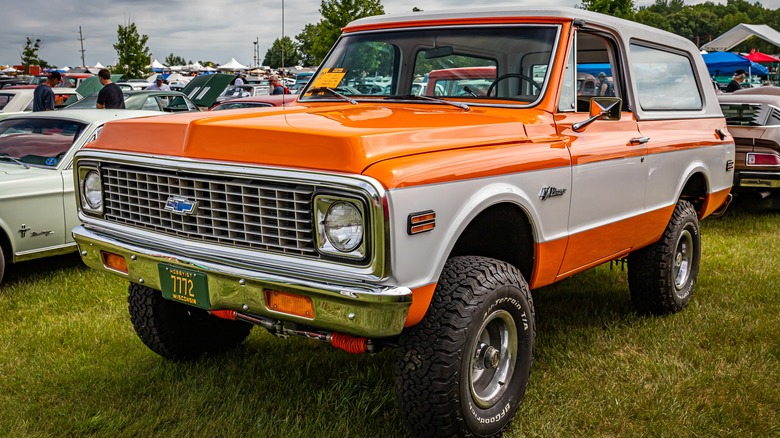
(549,192)
(181,205)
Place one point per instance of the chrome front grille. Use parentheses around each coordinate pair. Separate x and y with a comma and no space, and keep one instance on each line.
(250,213)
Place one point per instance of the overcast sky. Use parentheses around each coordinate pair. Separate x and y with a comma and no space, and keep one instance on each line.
(193,29)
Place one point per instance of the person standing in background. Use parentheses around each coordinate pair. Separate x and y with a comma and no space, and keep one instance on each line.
(276,86)
(736,80)
(43,96)
(110,96)
(159,84)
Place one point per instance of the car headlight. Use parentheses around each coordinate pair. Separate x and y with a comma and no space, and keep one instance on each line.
(341,227)
(91,191)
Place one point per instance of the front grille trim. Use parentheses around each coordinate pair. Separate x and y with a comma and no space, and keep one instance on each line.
(248,212)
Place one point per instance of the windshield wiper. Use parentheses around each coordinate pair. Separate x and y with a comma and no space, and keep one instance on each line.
(460,105)
(14,159)
(333,92)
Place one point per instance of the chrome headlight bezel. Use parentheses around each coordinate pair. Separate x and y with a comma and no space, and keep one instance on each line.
(323,207)
(91,197)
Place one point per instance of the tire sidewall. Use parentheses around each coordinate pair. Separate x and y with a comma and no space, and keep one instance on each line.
(490,421)
(682,296)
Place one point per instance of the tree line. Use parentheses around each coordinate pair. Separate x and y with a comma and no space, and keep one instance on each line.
(699,23)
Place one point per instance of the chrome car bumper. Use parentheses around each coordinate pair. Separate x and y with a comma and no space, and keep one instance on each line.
(358,309)
(757,180)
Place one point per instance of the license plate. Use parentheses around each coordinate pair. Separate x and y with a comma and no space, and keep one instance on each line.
(184,285)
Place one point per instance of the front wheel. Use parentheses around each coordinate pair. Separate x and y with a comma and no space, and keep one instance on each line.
(463,370)
(662,276)
(178,331)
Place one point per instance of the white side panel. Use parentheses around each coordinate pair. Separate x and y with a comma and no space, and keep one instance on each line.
(417,260)
(669,171)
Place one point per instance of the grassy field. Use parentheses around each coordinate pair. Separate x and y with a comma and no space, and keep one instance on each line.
(71,364)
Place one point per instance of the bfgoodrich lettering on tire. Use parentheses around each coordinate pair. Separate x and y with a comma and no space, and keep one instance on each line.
(662,276)
(177,331)
(463,370)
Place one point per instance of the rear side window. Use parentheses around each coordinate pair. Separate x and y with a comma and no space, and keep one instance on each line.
(664,80)
(4,99)
(750,114)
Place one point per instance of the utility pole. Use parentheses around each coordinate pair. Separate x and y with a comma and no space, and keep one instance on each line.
(81,39)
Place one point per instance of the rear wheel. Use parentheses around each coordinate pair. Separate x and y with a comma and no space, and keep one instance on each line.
(463,370)
(177,331)
(662,276)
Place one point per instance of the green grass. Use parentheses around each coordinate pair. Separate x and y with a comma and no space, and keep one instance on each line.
(71,364)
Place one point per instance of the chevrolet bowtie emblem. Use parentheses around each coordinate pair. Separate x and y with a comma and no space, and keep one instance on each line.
(181,205)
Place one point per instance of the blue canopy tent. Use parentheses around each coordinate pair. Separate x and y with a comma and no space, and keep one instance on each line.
(594,69)
(725,63)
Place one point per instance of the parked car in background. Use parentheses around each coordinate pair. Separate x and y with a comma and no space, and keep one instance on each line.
(20,100)
(37,201)
(10,82)
(254,102)
(69,80)
(753,118)
(246,90)
(586,84)
(134,84)
(149,100)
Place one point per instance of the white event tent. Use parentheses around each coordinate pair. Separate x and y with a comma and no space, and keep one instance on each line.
(233,65)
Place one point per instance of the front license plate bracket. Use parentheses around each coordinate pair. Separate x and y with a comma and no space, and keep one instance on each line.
(183,285)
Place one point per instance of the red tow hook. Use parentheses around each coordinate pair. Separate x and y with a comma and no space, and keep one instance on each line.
(348,343)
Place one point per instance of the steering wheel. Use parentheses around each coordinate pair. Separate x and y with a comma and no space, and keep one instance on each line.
(512,75)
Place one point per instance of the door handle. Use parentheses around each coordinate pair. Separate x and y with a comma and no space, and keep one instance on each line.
(639,140)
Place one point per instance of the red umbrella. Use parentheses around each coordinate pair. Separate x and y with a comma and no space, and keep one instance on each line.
(760,57)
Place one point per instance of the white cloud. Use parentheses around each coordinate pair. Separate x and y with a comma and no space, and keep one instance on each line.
(193,29)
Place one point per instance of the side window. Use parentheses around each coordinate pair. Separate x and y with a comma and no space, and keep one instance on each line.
(597,72)
(151,104)
(567,101)
(664,80)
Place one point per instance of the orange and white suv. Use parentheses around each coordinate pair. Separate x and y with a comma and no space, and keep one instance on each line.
(418,221)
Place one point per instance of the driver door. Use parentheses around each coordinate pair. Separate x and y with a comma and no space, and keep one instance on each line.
(609,166)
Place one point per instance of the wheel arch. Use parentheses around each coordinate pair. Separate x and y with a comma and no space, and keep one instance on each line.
(501,231)
(5,245)
(695,190)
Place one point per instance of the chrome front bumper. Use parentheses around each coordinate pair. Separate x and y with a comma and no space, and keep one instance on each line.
(358,309)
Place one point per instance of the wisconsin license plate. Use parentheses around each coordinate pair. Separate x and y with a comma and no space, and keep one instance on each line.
(184,285)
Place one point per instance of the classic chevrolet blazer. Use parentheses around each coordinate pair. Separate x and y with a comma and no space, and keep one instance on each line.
(373,217)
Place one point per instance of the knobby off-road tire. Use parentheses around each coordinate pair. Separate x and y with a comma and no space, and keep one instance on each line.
(177,331)
(662,276)
(462,371)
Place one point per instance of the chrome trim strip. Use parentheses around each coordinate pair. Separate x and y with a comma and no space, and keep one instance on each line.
(38,253)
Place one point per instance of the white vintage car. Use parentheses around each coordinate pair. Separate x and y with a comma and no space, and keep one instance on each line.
(20,100)
(37,204)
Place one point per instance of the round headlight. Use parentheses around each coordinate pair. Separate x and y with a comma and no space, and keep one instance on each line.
(91,190)
(344,226)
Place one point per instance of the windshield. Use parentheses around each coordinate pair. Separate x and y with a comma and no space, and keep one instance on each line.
(496,63)
(41,142)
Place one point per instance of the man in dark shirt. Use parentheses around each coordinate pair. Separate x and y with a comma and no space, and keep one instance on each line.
(736,80)
(110,96)
(43,96)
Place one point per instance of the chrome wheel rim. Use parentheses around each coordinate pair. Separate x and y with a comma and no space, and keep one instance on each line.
(683,257)
(493,358)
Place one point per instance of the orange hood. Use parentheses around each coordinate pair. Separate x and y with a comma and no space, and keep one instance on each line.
(344,138)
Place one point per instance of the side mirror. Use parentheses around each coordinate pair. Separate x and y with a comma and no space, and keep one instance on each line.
(605,108)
